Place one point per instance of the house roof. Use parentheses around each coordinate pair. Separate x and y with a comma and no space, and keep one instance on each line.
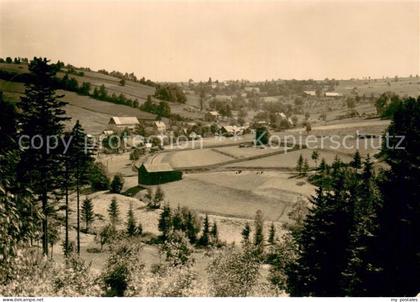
(231,128)
(214,113)
(124,120)
(160,124)
(332,94)
(161,167)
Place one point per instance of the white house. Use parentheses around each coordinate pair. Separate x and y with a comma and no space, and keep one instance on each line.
(310,92)
(333,94)
(160,126)
(231,130)
(252,89)
(122,122)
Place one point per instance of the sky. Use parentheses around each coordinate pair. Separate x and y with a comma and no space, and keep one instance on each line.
(253,40)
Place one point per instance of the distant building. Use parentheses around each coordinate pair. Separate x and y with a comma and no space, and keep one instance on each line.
(252,89)
(122,122)
(282,115)
(160,126)
(108,132)
(150,174)
(231,130)
(193,135)
(212,116)
(310,92)
(333,94)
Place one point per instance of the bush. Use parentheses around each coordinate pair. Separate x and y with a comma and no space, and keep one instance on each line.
(33,275)
(177,249)
(233,273)
(106,235)
(168,281)
(123,266)
(117,183)
(98,178)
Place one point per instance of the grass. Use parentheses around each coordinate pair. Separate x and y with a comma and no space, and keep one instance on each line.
(236,195)
(404,86)
(199,157)
(132,90)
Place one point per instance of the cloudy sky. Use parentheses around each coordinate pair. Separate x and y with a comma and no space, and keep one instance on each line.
(255,40)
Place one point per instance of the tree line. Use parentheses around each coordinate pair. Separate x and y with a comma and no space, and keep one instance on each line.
(34,177)
(361,236)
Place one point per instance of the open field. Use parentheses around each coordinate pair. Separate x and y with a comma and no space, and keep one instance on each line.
(238,195)
(199,157)
(241,153)
(117,163)
(350,126)
(94,115)
(404,86)
(289,160)
(92,122)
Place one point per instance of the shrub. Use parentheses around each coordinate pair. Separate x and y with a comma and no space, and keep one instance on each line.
(98,178)
(177,249)
(122,266)
(117,183)
(233,273)
(106,235)
(33,275)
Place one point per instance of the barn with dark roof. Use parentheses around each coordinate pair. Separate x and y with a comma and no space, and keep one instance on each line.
(155,174)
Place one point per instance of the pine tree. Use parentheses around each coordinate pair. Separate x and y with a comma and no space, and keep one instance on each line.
(80,157)
(165,222)
(192,226)
(246,232)
(42,116)
(204,239)
(114,212)
(87,213)
(117,184)
(397,243)
(8,126)
(305,167)
(315,157)
(259,232)
(356,163)
(132,228)
(323,242)
(98,178)
(361,263)
(214,233)
(322,166)
(272,234)
(299,165)
(67,182)
(177,220)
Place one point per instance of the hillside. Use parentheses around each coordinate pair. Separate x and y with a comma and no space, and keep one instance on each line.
(94,115)
(131,90)
(409,86)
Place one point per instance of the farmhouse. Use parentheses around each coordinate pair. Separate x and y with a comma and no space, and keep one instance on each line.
(212,116)
(310,92)
(333,94)
(122,122)
(252,89)
(160,126)
(231,130)
(154,174)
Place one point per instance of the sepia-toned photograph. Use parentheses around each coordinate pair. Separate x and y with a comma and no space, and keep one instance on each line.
(209,148)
